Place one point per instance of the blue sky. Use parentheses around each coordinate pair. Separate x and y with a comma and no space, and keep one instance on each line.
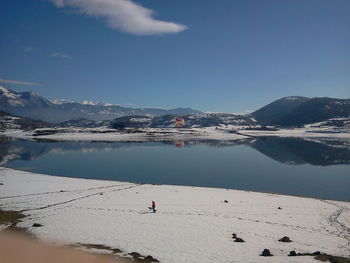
(211,55)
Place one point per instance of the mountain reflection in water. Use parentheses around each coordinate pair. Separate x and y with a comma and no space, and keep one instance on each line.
(292,151)
(308,167)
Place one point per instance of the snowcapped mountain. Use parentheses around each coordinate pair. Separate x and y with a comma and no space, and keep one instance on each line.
(32,105)
(85,102)
(88,102)
(9,98)
(287,111)
(61,101)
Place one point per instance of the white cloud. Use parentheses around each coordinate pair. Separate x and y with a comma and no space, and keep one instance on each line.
(124,15)
(18,82)
(60,55)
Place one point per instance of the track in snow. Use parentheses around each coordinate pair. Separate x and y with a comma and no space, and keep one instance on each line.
(77,198)
(342,229)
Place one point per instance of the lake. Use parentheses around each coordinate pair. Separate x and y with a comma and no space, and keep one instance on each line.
(303,167)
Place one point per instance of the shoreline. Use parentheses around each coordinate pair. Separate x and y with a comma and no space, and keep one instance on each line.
(170,185)
(154,134)
(167,134)
(191,222)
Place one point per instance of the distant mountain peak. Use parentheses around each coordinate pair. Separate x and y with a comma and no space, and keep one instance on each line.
(61,101)
(7,93)
(3,89)
(32,105)
(85,102)
(10,97)
(94,103)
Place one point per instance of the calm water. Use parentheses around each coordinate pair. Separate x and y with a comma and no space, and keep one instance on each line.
(280,165)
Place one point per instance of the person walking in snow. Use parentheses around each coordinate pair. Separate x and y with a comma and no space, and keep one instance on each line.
(153,206)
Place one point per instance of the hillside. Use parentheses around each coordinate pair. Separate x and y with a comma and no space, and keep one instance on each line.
(10,122)
(296,111)
(191,121)
(316,110)
(276,110)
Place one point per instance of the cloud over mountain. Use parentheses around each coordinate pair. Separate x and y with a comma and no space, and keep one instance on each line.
(18,82)
(124,15)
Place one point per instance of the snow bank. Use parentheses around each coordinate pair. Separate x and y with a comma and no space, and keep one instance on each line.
(192,224)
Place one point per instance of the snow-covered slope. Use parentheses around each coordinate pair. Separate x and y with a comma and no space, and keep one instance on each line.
(12,99)
(191,224)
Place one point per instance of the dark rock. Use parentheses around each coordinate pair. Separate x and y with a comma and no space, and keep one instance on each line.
(37,225)
(135,254)
(101,193)
(329,258)
(234,235)
(292,253)
(240,240)
(225,201)
(285,239)
(279,208)
(152,259)
(266,253)
(316,253)
(1,184)
(62,191)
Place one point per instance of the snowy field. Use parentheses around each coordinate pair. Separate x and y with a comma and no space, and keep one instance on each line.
(107,134)
(160,134)
(192,224)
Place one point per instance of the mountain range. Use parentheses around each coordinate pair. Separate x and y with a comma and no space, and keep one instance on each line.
(285,112)
(30,104)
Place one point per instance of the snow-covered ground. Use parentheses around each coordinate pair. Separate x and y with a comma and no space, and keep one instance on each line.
(335,127)
(306,132)
(159,134)
(107,134)
(192,224)
(231,129)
